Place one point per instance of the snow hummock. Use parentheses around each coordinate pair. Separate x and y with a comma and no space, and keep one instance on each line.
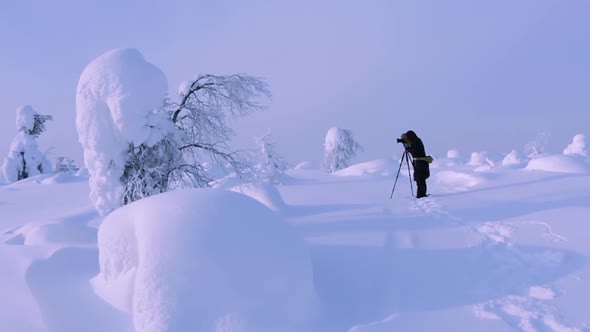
(456,181)
(578,146)
(195,259)
(479,159)
(559,163)
(264,192)
(384,167)
(117,96)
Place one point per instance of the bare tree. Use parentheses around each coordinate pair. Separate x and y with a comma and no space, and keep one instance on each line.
(202,116)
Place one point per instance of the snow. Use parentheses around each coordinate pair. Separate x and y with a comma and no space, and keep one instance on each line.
(190,258)
(559,163)
(117,96)
(578,146)
(383,167)
(500,250)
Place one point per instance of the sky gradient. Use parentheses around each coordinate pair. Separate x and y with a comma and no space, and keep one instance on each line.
(463,74)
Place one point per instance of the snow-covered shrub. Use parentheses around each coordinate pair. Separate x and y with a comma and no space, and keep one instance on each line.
(189,259)
(24,158)
(512,159)
(339,149)
(65,165)
(578,146)
(271,166)
(480,158)
(124,132)
(536,145)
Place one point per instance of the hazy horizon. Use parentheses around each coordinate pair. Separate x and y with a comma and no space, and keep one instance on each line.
(472,76)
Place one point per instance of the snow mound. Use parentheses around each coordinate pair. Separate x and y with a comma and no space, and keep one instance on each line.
(265,193)
(116,102)
(559,163)
(456,181)
(383,167)
(63,177)
(305,165)
(70,233)
(578,146)
(202,259)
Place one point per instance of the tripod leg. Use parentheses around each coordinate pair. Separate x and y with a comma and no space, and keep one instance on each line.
(409,174)
(397,176)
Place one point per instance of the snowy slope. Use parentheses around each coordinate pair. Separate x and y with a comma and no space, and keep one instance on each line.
(496,249)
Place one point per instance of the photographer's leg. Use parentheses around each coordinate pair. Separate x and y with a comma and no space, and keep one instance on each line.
(421,184)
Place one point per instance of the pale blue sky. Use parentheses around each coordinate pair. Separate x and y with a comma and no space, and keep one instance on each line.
(473,75)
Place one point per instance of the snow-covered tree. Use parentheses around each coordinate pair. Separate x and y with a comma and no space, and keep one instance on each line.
(138,143)
(65,165)
(25,159)
(207,104)
(339,149)
(271,167)
(536,146)
(578,146)
(127,137)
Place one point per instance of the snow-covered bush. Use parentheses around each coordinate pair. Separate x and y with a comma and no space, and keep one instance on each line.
(578,146)
(512,159)
(480,158)
(194,259)
(24,158)
(65,165)
(339,149)
(127,139)
(536,145)
(271,166)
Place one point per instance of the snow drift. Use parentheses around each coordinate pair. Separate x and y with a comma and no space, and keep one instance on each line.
(203,259)
(383,167)
(578,146)
(117,96)
(559,163)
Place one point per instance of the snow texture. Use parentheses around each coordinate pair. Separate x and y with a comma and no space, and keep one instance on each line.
(199,258)
(25,159)
(117,96)
(578,146)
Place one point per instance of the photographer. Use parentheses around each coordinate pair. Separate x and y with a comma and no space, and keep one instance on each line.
(413,144)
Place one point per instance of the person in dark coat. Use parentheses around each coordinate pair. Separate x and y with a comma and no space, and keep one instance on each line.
(414,145)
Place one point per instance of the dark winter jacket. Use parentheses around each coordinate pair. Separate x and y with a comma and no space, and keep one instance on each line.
(416,148)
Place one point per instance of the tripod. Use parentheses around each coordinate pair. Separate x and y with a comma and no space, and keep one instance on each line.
(405,155)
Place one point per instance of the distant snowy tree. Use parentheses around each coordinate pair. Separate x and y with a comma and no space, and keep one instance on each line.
(271,167)
(536,146)
(578,146)
(64,165)
(339,149)
(25,159)
(207,104)
(138,143)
